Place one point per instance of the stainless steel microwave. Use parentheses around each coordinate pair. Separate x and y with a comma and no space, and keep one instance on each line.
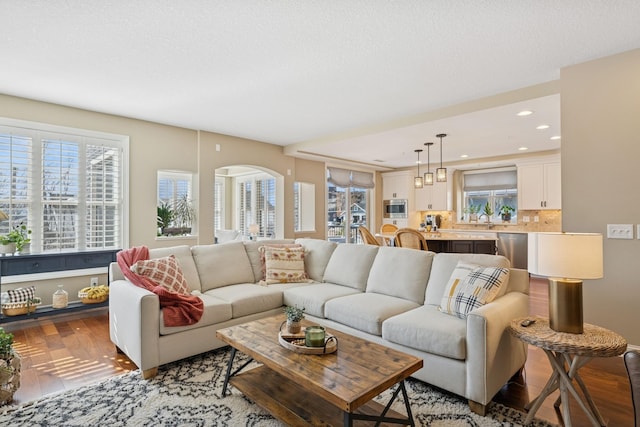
(395,208)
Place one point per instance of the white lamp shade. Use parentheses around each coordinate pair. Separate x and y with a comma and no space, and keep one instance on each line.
(254,228)
(566,255)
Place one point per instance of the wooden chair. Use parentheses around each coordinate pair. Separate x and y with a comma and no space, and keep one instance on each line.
(632,363)
(410,238)
(388,228)
(367,237)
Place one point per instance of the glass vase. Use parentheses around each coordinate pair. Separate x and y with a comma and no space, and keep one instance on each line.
(60,298)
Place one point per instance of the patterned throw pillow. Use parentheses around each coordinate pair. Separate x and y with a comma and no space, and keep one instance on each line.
(273,245)
(471,286)
(284,265)
(166,272)
(22,294)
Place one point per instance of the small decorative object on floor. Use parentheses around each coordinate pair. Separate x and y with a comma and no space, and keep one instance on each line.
(9,368)
(94,294)
(60,298)
(294,316)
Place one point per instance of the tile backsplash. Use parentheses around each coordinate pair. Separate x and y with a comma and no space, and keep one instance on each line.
(548,220)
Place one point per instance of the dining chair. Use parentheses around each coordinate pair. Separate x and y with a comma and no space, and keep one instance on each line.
(410,238)
(367,237)
(632,363)
(388,228)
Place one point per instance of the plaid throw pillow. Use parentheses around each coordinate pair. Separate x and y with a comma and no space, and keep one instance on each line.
(166,272)
(22,294)
(472,286)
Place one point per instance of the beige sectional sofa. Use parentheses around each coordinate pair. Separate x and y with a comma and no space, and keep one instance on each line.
(387,295)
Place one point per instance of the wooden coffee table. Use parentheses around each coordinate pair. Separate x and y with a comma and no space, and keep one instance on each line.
(328,389)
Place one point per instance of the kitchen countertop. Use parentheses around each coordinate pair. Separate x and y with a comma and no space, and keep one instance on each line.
(451,235)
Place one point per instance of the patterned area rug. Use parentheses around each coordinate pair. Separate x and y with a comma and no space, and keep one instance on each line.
(187,393)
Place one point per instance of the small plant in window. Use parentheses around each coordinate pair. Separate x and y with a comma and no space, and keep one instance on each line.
(487,211)
(185,214)
(165,216)
(20,235)
(472,210)
(505,212)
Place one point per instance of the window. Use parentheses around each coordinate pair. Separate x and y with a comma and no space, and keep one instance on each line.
(176,212)
(304,206)
(66,185)
(347,203)
(257,205)
(219,219)
(498,187)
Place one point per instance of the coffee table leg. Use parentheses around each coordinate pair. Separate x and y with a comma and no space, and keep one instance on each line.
(229,366)
(382,418)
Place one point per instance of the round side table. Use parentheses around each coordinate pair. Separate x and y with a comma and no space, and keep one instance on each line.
(567,353)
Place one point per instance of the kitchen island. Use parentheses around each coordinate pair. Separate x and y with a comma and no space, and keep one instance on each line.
(471,243)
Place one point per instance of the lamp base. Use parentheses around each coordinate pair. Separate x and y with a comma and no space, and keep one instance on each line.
(565,305)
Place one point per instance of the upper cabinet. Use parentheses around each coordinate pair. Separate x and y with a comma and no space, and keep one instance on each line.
(539,186)
(432,197)
(397,185)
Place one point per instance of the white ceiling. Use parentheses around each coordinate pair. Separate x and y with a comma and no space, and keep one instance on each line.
(347,79)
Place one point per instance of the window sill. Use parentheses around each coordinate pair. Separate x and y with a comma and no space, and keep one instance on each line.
(185,237)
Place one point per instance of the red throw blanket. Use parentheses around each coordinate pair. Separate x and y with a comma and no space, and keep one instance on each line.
(178,310)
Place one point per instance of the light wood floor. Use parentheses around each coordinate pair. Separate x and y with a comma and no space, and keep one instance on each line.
(62,353)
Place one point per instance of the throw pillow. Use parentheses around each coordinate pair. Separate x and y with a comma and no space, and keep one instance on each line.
(166,272)
(472,286)
(284,265)
(22,294)
(273,245)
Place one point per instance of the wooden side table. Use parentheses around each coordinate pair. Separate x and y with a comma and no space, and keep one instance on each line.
(567,353)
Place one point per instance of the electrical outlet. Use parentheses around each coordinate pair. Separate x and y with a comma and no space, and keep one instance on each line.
(94,281)
(619,231)
(526,218)
(536,218)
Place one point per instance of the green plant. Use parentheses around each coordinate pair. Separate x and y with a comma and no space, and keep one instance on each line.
(294,314)
(20,235)
(487,210)
(472,209)
(184,213)
(506,210)
(165,215)
(6,344)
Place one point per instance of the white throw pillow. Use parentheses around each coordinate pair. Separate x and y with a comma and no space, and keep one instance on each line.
(471,286)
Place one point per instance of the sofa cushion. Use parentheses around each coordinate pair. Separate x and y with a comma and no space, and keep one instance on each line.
(400,272)
(314,296)
(427,329)
(248,298)
(252,248)
(349,265)
(444,264)
(316,257)
(165,271)
(187,264)
(222,265)
(471,286)
(283,265)
(366,311)
(215,311)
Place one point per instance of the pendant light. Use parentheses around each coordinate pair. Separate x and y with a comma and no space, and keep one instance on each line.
(441,173)
(428,175)
(417,181)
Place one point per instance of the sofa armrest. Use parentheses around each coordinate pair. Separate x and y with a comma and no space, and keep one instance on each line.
(134,325)
(492,352)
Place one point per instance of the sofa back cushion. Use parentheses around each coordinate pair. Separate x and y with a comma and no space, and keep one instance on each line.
(316,257)
(222,265)
(185,259)
(400,272)
(444,265)
(349,265)
(252,247)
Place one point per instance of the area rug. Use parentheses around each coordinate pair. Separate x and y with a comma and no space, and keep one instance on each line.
(187,393)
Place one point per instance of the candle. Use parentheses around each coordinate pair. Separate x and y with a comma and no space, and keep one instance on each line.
(314,336)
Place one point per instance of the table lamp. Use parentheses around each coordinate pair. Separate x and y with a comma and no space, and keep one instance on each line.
(3,216)
(566,259)
(254,229)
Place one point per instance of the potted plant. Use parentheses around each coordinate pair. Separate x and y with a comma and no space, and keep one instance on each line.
(505,213)
(472,210)
(17,240)
(185,214)
(164,217)
(9,368)
(487,211)
(294,316)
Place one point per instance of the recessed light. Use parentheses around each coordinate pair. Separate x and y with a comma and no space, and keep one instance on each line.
(525,113)
(555,137)
(523,148)
(543,127)
(464,156)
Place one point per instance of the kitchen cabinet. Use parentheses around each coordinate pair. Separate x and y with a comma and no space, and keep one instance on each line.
(539,186)
(472,246)
(431,197)
(400,223)
(397,185)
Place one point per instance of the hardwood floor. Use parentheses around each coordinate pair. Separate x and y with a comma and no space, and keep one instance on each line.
(63,353)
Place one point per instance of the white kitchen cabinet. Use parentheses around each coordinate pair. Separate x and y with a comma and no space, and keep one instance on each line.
(397,185)
(539,186)
(400,223)
(432,197)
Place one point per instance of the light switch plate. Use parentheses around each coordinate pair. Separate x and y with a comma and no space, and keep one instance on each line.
(638,231)
(619,231)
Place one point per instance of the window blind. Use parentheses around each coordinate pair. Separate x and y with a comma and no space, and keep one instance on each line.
(348,178)
(490,179)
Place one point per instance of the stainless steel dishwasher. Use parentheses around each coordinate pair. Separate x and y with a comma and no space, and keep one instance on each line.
(514,247)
